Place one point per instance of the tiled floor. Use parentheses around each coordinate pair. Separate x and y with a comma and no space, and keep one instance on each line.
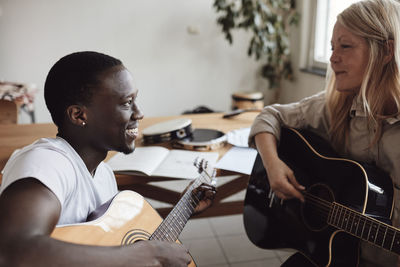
(222,241)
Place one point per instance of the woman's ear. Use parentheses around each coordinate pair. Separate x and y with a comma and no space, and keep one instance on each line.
(389,51)
(76,114)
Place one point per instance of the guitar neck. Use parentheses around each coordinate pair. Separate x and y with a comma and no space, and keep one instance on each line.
(365,228)
(173,224)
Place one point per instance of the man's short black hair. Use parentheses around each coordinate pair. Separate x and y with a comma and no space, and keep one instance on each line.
(71,81)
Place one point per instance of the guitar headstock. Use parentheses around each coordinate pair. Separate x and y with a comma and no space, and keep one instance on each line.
(203,167)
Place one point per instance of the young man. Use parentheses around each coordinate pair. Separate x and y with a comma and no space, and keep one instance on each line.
(92,100)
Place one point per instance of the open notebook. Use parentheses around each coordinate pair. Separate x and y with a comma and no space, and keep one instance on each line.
(160,161)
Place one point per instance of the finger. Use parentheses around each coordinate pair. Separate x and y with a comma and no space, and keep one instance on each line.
(210,194)
(295,188)
(286,190)
(186,256)
(204,188)
(207,197)
(206,203)
(280,195)
(293,192)
(294,182)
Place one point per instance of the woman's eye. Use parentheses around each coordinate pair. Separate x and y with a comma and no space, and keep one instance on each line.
(345,46)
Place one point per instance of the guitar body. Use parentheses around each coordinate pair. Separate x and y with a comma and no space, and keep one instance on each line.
(129,218)
(271,224)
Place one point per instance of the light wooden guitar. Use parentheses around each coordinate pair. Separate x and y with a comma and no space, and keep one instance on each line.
(130,218)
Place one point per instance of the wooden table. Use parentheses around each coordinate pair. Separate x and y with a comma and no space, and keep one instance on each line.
(13,136)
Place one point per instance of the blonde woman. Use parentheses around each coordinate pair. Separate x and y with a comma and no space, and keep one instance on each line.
(358,112)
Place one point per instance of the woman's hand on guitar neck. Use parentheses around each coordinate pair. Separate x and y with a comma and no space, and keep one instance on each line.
(281,178)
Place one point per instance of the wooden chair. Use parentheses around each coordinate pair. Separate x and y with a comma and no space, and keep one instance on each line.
(8,112)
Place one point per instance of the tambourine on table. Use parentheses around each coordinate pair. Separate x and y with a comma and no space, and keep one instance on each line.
(167,131)
(180,134)
(202,140)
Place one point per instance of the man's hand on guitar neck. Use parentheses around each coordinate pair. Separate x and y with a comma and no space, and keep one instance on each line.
(281,178)
(206,194)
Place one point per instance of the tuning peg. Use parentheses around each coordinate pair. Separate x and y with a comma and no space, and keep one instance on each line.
(195,161)
(201,166)
(198,165)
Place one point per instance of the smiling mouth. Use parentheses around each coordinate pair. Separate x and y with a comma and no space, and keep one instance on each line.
(132,132)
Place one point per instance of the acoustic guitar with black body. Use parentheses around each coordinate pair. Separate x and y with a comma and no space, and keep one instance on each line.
(345,202)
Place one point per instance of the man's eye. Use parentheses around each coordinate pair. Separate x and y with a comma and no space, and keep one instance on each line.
(345,46)
(128,103)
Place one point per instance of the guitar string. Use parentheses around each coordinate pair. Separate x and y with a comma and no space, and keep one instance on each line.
(383,231)
(168,223)
(324,207)
(161,232)
(186,215)
(183,214)
(171,224)
(365,219)
(386,233)
(192,202)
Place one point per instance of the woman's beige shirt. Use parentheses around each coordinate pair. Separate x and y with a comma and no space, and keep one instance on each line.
(311,113)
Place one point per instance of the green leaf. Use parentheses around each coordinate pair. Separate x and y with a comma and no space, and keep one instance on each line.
(267,20)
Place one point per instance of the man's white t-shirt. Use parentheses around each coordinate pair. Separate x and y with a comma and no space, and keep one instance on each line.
(58,166)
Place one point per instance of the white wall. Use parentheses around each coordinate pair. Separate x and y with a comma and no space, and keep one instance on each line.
(305,84)
(174,69)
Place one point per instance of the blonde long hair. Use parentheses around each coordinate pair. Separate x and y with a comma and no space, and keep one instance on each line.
(378,22)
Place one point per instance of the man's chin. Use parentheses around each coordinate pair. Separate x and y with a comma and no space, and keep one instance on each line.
(127,150)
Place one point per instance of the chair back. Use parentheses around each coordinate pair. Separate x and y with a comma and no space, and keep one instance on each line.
(8,112)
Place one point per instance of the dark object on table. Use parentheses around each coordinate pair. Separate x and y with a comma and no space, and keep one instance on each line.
(198,110)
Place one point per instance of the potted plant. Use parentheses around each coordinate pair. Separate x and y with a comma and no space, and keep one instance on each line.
(269,21)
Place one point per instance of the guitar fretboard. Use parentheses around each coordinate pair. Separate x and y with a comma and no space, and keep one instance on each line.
(365,228)
(173,224)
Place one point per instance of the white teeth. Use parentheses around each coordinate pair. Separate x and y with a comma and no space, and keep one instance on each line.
(132,131)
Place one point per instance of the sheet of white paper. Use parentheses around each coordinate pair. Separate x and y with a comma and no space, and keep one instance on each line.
(238,159)
(239,137)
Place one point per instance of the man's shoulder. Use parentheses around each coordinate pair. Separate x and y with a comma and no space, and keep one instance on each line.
(46,160)
(55,144)
(45,146)
(42,152)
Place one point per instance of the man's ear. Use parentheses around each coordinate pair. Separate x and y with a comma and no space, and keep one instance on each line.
(389,51)
(76,114)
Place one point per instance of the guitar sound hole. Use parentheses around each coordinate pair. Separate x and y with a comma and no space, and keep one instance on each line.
(316,207)
(135,235)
